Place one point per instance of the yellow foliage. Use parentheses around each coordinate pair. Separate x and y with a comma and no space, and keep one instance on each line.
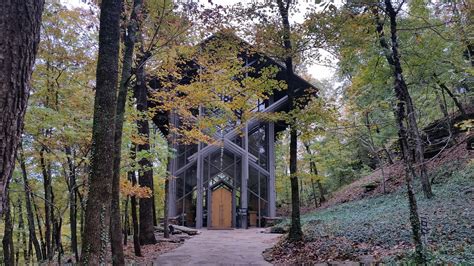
(128,189)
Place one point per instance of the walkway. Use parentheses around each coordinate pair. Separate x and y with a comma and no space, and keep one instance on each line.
(221,247)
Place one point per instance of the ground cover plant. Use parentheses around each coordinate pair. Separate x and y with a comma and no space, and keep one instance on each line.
(377,228)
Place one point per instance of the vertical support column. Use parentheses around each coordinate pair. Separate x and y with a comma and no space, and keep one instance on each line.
(209,192)
(199,184)
(245,177)
(172,181)
(199,188)
(234,203)
(271,170)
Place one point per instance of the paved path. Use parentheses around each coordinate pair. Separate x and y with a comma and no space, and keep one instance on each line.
(221,247)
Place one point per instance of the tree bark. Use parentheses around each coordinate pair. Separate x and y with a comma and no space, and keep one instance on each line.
(374,150)
(145,174)
(389,156)
(401,92)
(166,230)
(57,238)
(48,208)
(29,210)
(442,107)
(453,97)
(21,227)
(20,22)
(153,206)
(126,223)
(129,41)
(404,95)
(72,201)
(295,234)
(97,216)
(40,229)
(7,241)
(133,206)
(314,170)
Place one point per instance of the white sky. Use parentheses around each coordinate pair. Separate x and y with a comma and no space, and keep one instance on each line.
(317,71)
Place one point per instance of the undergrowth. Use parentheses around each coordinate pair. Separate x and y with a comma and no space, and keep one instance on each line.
(381,223)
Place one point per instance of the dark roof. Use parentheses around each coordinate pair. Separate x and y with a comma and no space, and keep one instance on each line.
(261,60)
(301,84)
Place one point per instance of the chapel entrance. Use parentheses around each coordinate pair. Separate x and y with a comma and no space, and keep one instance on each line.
(221,207)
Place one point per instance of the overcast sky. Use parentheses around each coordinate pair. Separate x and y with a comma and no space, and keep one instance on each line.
(315,70)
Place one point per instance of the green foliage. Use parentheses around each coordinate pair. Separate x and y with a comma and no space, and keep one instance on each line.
(382,222)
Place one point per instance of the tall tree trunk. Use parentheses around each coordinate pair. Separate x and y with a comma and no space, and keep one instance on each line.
(57,238)
(72,202)
(136,234)
(48,208)
(20,30)
(18,233)
(153,207)
(97,216)
(21,227)
(129,41)
(7,241)
(389,156)
(404,95)
(29,211)
(374,150)
(133,206)
(409,171)
(401,92)
(314,170)
(166,233)
(40,229)
(54,220)
(442,107)
(393,58)
(145,174)
(295,234)
(126,223)
(315,197)
(451,95)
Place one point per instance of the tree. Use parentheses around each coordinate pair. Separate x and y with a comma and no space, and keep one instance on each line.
(57,133)
(129,43)
(97,220)
(7,241)
(406,113)
(295,234)
(145,174)
(29,209)
(20,27)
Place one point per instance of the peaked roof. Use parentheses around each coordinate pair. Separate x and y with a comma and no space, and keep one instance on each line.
(301,83)
(260,60)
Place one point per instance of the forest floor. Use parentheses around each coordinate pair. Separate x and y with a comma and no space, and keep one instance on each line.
(360,226)
(150,253)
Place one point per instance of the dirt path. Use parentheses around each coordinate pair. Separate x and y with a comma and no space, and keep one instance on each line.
(221,247)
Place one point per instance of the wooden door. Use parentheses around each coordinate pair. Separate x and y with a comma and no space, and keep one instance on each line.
(221,217)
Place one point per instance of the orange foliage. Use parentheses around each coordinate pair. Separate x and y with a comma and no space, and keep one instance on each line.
(128,189)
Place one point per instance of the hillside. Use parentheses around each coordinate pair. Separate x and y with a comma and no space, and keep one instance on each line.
(357,225)
(371,185)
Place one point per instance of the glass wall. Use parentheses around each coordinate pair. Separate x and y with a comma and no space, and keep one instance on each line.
(223,167)
(258,144)
(257,197)
(186,196)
